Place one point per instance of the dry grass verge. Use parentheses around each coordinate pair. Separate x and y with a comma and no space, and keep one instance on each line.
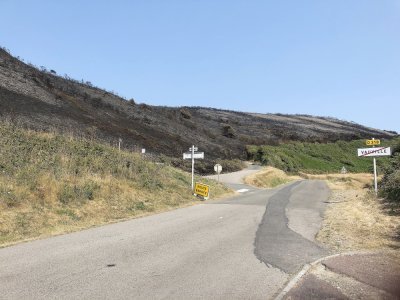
(355,219)
(43,214)
(269,177)
(52,184)
(357,181)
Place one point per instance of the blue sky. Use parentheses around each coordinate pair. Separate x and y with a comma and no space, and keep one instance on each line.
(338,58)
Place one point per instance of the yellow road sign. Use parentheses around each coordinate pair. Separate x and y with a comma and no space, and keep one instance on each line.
(202,190)
(373,142)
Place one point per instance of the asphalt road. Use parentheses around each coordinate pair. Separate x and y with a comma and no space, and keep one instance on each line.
(238,248)
(235,179)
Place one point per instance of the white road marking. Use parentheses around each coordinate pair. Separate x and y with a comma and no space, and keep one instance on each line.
(242,190)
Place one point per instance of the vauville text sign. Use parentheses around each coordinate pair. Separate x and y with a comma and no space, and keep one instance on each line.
(371,152)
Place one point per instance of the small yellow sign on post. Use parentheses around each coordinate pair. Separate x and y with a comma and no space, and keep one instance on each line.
(373,142)
(202,190)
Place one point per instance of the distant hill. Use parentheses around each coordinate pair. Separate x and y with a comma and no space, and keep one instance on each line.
(42,100)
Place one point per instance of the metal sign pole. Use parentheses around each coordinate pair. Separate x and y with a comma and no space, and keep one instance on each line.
(375,178)
(192,167)
(218,169)
(373,152)
(375,175)
(192,154)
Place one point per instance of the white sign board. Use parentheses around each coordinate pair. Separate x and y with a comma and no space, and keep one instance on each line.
(218,168)
(371,152)
(197,155)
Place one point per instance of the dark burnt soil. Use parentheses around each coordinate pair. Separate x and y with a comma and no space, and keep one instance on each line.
(41,100)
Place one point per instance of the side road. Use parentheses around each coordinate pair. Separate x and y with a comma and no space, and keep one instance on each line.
(357,275)
(235,180)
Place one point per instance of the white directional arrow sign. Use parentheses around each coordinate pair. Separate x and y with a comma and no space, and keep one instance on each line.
(196,155)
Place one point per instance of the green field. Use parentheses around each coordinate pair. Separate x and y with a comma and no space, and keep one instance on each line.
(316,157)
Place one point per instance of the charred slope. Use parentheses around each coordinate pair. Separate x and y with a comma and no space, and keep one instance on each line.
(42,100)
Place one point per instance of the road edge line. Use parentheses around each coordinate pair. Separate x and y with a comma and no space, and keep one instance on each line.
(292,282)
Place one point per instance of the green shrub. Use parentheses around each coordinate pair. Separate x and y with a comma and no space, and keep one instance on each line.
(77,193)
(315,157)
(66,194)
(390,183)
(228,131)
(68,212)
(23,223)
(8,196)
(140,206)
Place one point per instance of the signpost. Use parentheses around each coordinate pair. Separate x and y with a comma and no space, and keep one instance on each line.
(372,142)
(193,155)
(374,152)
(218,169)
(202,190)
(197,155)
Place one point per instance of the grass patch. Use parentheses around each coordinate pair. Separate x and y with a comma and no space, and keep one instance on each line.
(69,193)
(52,184)
(269,178)
(357,181)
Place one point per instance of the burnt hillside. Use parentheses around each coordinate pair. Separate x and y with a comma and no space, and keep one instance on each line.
(42,100)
